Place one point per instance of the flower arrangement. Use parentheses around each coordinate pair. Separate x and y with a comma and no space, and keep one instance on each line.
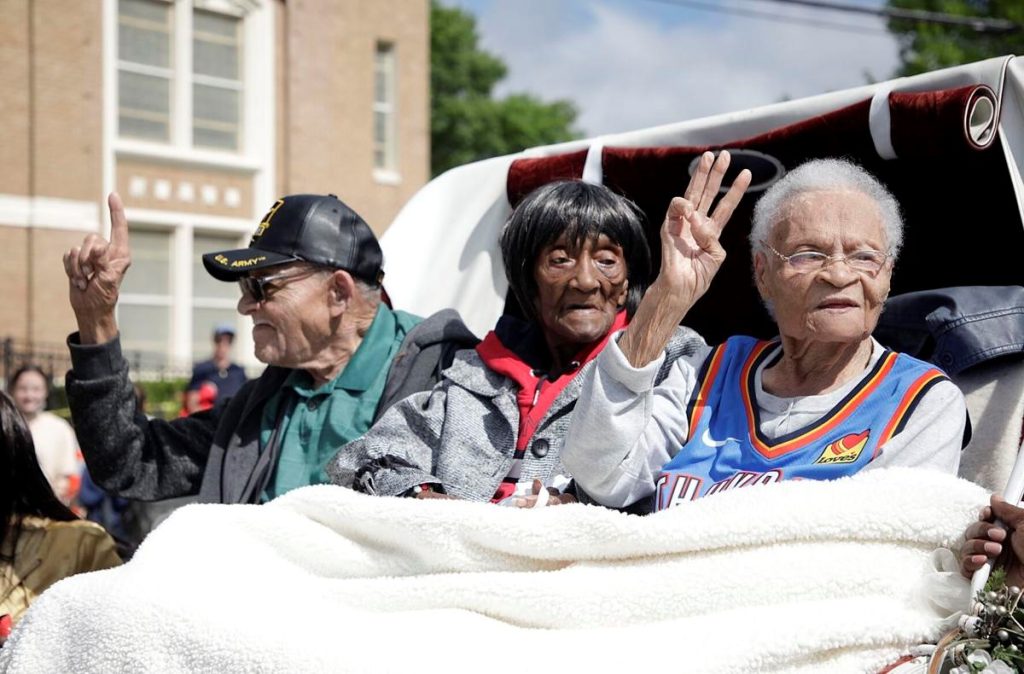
(991,638)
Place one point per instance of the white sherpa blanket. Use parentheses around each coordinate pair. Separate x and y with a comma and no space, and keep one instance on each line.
(796,577)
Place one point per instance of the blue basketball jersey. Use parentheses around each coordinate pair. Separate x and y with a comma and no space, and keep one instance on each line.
(725,448)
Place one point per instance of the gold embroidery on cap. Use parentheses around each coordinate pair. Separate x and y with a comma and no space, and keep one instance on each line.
(250,262)
(265,222)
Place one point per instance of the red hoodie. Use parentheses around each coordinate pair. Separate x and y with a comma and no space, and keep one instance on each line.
(536,392)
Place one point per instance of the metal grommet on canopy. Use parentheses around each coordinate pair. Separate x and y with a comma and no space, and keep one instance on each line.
(765,169)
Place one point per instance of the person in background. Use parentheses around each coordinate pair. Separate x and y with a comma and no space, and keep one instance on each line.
(41,540)
(217,379)
(54,439)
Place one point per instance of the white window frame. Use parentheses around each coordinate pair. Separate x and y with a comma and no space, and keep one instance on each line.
(172,299)
(255,130)
(220,82)
(166,73)
(182,301)
(242,240)
(388,173)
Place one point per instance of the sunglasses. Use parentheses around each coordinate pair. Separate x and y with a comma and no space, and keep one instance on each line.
(259,288)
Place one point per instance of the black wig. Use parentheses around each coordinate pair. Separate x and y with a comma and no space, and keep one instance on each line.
(581,211)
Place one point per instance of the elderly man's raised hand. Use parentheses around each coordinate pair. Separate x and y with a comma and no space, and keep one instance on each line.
(691,253)
(95,271)
(985,540)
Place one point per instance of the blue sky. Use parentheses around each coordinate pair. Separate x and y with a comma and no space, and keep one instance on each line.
(630,64)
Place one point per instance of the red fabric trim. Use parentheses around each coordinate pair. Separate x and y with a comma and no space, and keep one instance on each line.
(902,661)
(526,175)
(914,119)
(504,490)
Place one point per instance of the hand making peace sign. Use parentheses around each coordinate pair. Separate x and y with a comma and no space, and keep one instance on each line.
(690,257)
(690,252)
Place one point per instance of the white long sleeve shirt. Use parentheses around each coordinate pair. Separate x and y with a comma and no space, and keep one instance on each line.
(625,428)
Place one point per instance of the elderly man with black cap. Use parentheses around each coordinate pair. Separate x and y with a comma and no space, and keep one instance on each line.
(311,282)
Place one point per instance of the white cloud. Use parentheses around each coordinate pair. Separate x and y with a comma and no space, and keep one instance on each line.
(626,71)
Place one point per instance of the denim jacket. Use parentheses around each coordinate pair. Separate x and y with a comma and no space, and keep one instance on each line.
(955,328)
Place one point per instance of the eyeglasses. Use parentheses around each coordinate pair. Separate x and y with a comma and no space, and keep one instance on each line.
(256,286)
(867,261)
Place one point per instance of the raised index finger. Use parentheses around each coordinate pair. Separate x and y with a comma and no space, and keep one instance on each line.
(118,224)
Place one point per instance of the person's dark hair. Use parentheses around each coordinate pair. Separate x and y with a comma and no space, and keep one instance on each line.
(27,368)
(581,211)
(23,487)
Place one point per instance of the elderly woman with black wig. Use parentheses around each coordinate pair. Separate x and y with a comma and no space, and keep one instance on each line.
(41,540)
(577,259)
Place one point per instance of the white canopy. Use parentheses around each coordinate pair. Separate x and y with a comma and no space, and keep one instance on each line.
(442,248)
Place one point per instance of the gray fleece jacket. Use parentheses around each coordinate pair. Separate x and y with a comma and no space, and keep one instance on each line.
(462,434)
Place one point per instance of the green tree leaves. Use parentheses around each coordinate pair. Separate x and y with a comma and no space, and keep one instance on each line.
(928,46)
(467,123)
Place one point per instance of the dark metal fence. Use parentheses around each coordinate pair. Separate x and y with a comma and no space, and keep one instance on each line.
(55,361)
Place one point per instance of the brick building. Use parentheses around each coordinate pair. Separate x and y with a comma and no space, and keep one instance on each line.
(200,113)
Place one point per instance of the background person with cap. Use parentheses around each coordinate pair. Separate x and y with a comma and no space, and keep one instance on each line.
(310,281)
(215,380)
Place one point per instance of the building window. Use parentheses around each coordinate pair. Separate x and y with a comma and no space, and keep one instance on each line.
(213,302)
(216,80)
(145,69)
(384,108)
(162,326)
(145,307)
(179,77)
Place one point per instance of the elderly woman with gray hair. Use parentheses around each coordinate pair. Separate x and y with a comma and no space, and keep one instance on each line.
(821,401)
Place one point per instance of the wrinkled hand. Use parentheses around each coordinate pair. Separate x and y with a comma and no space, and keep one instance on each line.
(690,252)
(986,541)
(553,497)
(96,269)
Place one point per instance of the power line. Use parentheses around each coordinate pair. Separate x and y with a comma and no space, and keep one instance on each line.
(975,23)
(772,16)
(979,24)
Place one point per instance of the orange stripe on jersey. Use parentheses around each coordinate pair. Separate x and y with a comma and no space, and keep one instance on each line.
(833,419)
(909,402)
(700,401)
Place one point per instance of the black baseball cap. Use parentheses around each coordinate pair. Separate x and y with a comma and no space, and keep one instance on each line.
(308,227)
